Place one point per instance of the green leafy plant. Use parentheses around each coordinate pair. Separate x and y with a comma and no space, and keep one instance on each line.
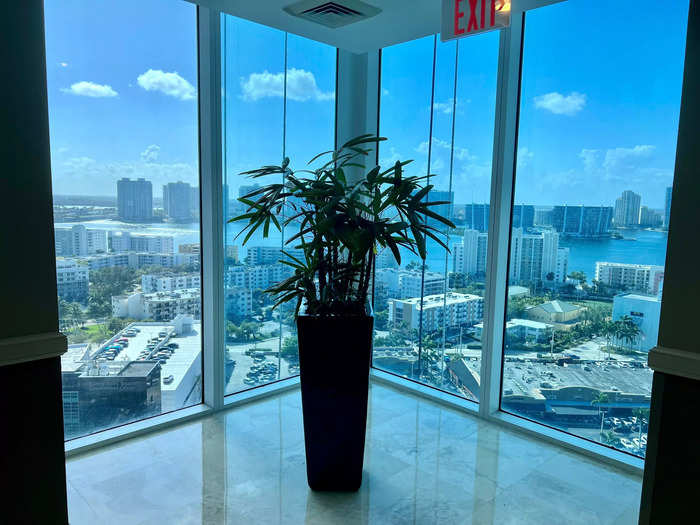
(343,222)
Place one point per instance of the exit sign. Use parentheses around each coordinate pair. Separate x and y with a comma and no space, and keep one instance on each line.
(469,17)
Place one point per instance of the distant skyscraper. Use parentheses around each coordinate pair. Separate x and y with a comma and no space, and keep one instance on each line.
(627,209)
(582,221)
(667,214)
(135,200)
(649,218)
(177,201)
(523,216)
(476,217)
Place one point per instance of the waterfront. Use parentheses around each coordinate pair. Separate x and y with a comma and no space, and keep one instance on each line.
(649,247)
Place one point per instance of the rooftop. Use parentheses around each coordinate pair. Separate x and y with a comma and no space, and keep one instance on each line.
(556,307)
(431,301)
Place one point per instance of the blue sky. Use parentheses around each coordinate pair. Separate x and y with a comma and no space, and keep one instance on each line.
(599,111)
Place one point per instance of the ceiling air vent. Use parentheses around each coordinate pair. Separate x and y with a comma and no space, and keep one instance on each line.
(332,14)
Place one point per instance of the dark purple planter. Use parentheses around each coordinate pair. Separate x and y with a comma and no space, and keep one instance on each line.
(334,358)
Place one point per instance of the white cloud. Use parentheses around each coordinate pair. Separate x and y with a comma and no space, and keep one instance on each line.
(460,153)
(63,64)
(171,84)
(90,89)
(524,157)
(623,158)
(560,104)
(151,153)
(385,92)
(301,86)
(443,107)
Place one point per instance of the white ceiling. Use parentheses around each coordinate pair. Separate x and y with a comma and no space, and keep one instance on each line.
(399,21)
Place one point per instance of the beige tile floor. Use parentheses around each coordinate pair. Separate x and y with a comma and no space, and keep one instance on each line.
(424,464)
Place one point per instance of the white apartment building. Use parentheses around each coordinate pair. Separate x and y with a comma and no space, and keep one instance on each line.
(385,259)
(165,283)
(534,256)
(122,241)
(633,277)
(79,240)
(141,260)
(238,302)
(403,284)
(72,280)
(256,277)
(259,255)
(158,306)
(450,310)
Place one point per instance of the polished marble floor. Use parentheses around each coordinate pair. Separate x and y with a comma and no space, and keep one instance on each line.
(424,464)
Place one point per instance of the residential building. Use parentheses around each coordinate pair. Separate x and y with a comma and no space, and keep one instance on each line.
(238,302)
(534,257)
(158,306)
(178,201)
(644,278)
(523,216)
(189,248)
(450,310)
(257,277)
(140,260)
(667,207)
(649,218)
(385,259)
(645,311)
(124,241)
(79,240)
(169,282)
(72,280)
(627,209)
(543,217)
(134,200)
(476,217)
(582,221)
(258,255)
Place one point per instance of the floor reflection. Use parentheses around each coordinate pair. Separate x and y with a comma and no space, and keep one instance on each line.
(424,463)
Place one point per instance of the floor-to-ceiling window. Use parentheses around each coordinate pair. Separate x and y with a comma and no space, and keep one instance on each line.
(122,86)
(278,101)
(596,149)
(437,107)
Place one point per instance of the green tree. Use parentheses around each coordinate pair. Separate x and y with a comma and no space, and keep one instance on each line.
(290,348)
(578,276)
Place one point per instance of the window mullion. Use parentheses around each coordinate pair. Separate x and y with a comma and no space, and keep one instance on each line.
(502,182)
(212,253)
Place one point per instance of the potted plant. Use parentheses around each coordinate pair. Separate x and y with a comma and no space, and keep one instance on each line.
(342,224)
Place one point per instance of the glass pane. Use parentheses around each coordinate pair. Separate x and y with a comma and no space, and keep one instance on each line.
(596,155)
(310,130)
(416,302)
(124,136)
(261,344)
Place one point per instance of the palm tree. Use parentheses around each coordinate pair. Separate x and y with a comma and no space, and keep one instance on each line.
(599,399)
(629,330)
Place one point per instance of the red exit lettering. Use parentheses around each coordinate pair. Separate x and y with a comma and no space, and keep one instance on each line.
(476,23)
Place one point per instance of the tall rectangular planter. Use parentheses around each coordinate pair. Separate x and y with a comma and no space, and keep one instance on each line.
(334,358)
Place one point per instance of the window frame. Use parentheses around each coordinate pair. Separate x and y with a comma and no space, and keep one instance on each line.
(358,92)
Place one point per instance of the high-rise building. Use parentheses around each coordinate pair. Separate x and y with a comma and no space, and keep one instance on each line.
(523,216)
(476,217)
(78,240)
(134,200)
(436,311)
(72,280)
(535,257)
(643,278)
(627,209)
(543,217)
(177,201)
(649,217)
(667,214)
(582,221)
(123,241)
